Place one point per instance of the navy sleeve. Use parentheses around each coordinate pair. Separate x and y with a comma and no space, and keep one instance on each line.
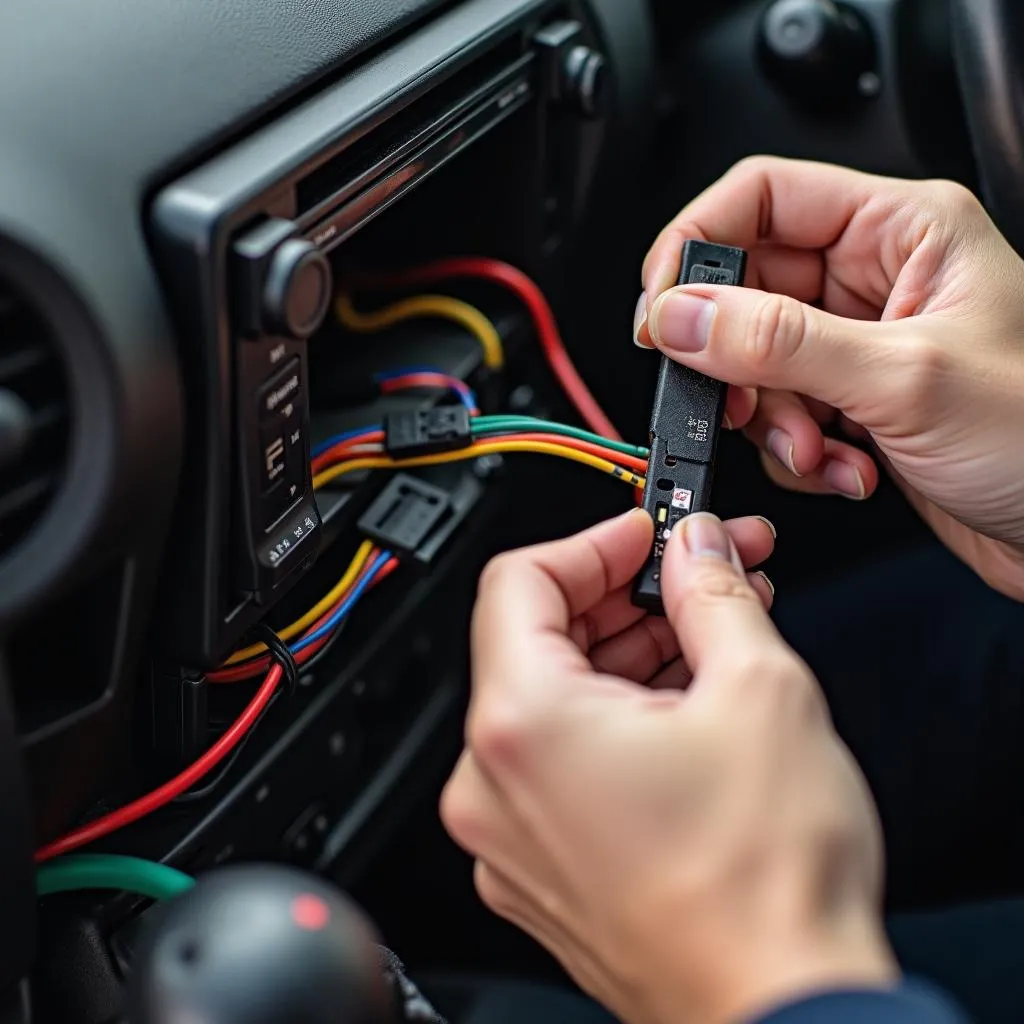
(911,1003)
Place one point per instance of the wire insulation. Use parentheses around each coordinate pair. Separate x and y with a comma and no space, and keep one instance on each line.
(323,605)
(107,871)
(533,298)
(181,782)
(479,448)
(424,378)
(308,655)
(437,306)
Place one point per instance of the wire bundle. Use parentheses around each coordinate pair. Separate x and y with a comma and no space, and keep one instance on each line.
(362,450)
(505,276)
(310,636)
(318,627)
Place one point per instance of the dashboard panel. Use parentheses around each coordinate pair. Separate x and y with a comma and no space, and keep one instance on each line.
(170,172)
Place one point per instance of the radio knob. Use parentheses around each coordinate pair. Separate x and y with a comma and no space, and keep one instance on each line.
(587,81)
(297,290)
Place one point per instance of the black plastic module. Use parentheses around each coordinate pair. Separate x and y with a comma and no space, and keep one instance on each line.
(405,513)
(685,424)
(427,431)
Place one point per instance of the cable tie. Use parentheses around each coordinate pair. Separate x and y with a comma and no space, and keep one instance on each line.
(280,653)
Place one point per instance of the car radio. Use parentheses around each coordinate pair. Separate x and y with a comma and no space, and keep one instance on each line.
(252,244)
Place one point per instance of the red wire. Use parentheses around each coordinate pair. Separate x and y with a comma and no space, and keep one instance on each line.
(340,450)
(544,318)
(427,380)
(181,783)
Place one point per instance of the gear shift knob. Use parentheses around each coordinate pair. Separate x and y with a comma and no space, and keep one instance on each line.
(260,945)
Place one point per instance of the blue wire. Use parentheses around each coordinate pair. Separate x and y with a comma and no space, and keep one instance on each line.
(465,393)
(338,438)
(406,370)
(357,592)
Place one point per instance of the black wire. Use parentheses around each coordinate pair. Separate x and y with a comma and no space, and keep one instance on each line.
(195,795)
(280,653)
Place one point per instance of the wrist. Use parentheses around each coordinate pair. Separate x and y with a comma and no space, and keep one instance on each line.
(856,955)
(749,981)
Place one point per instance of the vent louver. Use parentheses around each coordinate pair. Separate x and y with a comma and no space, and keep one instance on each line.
(34,418)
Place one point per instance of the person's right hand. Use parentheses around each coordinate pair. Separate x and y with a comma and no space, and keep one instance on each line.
(894,306)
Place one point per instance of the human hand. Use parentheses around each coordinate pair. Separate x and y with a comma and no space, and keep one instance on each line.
(687,836)
(898,311)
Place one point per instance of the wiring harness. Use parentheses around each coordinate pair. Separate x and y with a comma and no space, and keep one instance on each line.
(442,434)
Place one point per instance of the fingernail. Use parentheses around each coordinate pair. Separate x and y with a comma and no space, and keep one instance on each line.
(844,479)
(780,444)
(770,525)
(726,422)
(767,582)
(705,537)
(681,321)
(639,319)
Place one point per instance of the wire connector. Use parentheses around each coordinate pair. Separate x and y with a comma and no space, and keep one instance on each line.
(685,424)
(411,434)
(405,514)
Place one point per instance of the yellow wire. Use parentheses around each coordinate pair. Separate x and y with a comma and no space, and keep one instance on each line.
(307,620)
(442,306)
(476,450)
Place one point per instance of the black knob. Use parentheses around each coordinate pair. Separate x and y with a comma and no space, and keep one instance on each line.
(260,945)
(821,53)
(587,81)
(297,290)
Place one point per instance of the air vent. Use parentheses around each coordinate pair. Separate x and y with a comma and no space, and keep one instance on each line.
(34,418)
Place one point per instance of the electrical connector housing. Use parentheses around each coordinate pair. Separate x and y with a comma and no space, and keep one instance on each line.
(685,423)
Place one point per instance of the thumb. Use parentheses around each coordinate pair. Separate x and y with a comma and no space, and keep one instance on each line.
(711,606)
(755,339)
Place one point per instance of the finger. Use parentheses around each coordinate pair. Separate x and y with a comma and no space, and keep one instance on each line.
(786,202)
(740,407)
(676,676)
(540,590)
(763,587)
(754,538)
(799,273)
(844,470)
(755,339)
(610,617)
(639,653)
(785,429)
(715,612)
(523,657)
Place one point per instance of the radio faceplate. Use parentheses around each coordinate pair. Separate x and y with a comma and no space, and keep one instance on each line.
(240,244)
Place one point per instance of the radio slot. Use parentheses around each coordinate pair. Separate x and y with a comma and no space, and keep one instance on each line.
(409,166)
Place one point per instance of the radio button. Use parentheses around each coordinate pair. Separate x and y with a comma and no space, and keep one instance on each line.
(273,456)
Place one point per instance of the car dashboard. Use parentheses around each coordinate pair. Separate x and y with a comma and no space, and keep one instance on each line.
(251,254)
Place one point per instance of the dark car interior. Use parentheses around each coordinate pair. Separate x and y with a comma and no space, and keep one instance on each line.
(252,253)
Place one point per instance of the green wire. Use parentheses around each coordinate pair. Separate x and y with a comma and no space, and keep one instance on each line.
(106,871)
(508,424)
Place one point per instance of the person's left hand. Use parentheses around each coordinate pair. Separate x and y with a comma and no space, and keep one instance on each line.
(688,837)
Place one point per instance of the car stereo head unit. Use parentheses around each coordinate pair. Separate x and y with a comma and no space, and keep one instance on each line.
(249,247)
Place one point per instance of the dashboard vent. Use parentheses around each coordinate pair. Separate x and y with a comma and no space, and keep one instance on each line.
(34,417)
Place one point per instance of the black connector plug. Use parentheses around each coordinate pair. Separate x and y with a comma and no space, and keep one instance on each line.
(685,423)
(410,434)
(404,514)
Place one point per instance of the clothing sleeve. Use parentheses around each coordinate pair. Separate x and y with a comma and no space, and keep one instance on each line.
(911,1003)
